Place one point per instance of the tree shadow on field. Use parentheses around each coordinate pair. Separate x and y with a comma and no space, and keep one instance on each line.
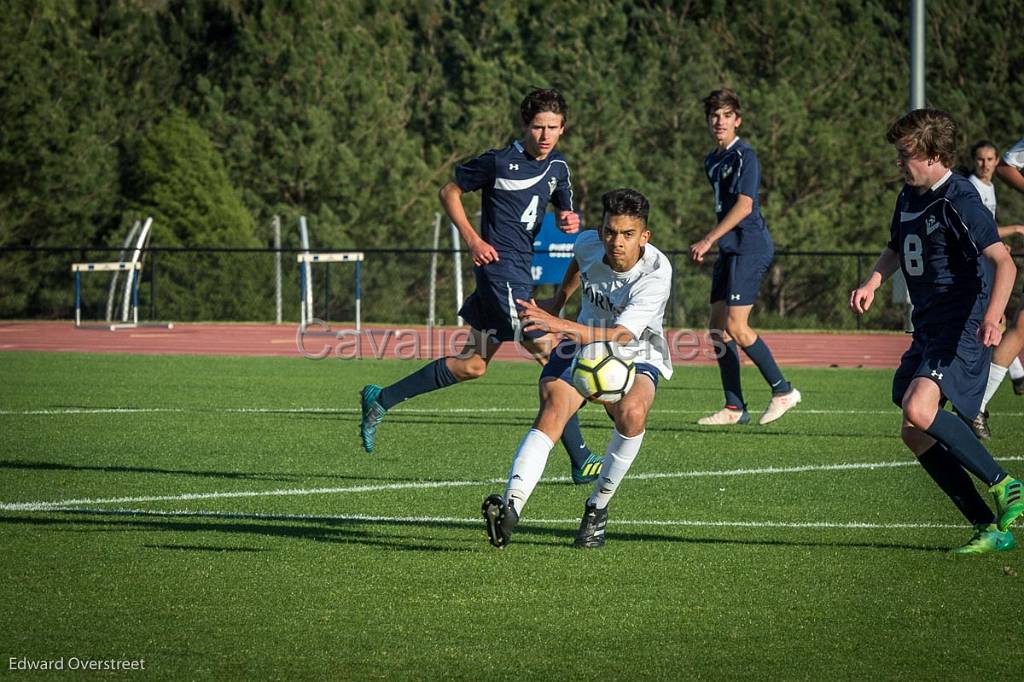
(281,477)
(348,530)
(207,548)
(325,529)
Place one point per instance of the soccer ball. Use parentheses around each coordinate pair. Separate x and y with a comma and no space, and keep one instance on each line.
(602,372)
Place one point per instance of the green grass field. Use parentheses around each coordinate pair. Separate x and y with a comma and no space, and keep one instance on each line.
(217,518)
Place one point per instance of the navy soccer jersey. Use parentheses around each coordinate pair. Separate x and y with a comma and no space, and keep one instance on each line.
(516,191)
(732,172)
(939,237)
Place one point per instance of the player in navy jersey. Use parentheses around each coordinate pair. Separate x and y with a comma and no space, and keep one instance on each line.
(517,182)
(939,237)
(745,251)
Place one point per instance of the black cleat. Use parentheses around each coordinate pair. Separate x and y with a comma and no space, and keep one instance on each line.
(501,518)
(591,532)
(980,426)
(1018,386)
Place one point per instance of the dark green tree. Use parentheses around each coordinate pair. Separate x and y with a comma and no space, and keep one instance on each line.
(179,179)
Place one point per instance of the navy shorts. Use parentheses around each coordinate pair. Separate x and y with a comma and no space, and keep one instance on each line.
(560,364)
(736,277)
(954,359)
(492,307)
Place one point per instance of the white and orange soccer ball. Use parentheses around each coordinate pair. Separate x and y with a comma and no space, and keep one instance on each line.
(603,371)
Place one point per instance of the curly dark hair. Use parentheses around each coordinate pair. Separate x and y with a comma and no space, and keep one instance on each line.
(543,100)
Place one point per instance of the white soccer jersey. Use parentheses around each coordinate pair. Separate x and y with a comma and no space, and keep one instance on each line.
(635,299)
(987,192)
(1014,156)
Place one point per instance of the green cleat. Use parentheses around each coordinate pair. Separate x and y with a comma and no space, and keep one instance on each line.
(1009,497)
(987,538)
(373,414)
(588,471)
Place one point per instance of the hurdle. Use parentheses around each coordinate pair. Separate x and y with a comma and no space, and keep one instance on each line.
(306,289)
(134,268)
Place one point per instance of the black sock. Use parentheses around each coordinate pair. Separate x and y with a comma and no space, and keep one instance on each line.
(426,379)
(961,442)
(729,371)
(958,486)
(760,354)
(572,441)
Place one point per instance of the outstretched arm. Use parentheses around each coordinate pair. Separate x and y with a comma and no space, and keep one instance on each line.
(535,317)
(862,296)
(1011,176)
(1007,231)
(570,283)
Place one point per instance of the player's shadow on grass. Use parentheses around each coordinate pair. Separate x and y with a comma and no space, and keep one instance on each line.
(758,430)
(280,477)
(649,537)
(262,526)
(626,537)
(593,419)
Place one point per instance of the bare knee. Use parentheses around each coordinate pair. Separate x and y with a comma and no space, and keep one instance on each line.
(467,369)
(919,414)
(631,420)
(742,332)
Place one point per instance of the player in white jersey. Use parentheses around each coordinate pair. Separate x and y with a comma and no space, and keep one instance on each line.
(1005,358)
(1011,168)
(985,157)
(626,283)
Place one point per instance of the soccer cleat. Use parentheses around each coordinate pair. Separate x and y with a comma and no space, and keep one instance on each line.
(373,414)
(501,518)
(591,532)
(980,426)
(588,471)
(1009,497)
(724,417)
(987,538)
(780,405)
(1018,386)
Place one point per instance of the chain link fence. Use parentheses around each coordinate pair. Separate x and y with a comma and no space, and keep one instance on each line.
(802,290)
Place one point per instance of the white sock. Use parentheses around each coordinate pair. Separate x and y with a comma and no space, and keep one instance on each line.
(527,467)
(617,460)
(1016,369)
(996,374)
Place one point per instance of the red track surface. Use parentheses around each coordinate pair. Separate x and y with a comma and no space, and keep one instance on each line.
(790,349)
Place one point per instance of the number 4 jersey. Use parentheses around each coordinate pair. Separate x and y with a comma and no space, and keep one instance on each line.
(516,191)
(939,237)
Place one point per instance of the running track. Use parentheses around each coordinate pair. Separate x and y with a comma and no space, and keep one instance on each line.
(790,349)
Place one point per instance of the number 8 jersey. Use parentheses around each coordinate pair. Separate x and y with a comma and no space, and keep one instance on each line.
(939,237)
(516,191)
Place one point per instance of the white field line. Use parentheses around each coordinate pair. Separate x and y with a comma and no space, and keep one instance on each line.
(473,521)
(426,485)
(66,411)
